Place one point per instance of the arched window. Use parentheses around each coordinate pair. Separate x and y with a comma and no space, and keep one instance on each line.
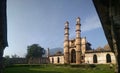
(58,60)
(108,58)
(95,59)
(82,57)
(52,60)
(73,56)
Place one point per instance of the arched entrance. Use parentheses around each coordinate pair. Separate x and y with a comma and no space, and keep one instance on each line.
(108,58)
(52,60)
(73,56)
(95,59)
(58,60)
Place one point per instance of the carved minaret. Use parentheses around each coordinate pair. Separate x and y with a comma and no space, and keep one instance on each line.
(66,43)
(48,55)
(48,52)
(78,42)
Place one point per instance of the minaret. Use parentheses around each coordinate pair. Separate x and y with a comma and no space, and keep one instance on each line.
(48,55)
(48,52)
(78,41)
(66,43)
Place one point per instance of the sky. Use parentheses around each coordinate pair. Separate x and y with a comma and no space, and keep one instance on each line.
(42,22)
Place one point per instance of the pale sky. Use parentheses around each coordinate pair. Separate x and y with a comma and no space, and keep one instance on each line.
(42,22)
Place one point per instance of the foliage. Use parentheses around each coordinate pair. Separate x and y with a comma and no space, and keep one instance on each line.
(35,51)
(6,60)
(15,56)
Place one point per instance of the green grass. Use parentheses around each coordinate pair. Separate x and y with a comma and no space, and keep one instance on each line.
(58,69)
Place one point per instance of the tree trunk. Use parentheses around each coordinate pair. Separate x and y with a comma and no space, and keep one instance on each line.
(1,60)
(3,31)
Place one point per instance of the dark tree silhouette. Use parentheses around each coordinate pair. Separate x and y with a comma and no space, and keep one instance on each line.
(35,51)
(3,31)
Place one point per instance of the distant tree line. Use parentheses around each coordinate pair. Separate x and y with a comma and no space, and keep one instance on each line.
(34,51)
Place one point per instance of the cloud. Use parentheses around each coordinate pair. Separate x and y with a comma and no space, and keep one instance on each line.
(90,23)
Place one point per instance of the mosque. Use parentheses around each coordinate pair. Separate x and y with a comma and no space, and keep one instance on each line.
(79,51)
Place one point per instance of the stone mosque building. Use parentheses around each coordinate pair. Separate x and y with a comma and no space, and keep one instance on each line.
(78,50)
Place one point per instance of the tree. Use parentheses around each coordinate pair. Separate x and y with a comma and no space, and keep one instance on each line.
(35,51)
(15,56)
(6,60)
(3,31)
(107,47)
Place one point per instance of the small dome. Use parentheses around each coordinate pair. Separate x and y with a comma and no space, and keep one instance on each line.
(66,23)
(58,53)
(78,20)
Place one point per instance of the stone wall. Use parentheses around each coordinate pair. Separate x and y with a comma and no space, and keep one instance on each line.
(43,60)
(101,58)
(54,59)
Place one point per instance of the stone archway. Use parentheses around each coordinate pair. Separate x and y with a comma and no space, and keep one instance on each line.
(52,60)
(95,58)
(73,56)
(58,60)
(108,58)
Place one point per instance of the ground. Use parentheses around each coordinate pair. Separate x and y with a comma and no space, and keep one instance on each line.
(59,69)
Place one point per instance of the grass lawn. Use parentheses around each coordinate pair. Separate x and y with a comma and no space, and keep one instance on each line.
(58,69)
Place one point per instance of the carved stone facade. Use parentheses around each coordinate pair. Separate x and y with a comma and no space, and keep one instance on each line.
(78,50)
(89,58)
(100,58)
